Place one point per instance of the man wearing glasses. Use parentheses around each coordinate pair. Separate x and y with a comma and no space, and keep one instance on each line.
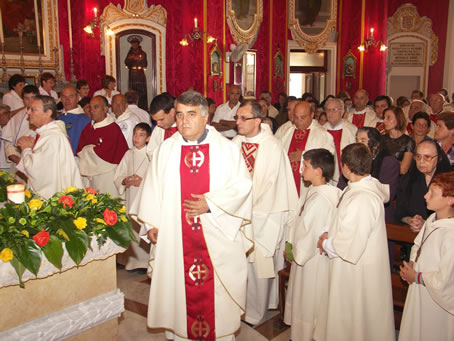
(274,199)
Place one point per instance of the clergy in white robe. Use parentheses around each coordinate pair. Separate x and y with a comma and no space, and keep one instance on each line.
(125,118)
(128,177)
(101,148)
(285,126)
(199,288)
(162,111)
(343,132)
(308,281)
(305,134)
(360,305)
(48,161)
(429,306)
(362,115)
(274,202)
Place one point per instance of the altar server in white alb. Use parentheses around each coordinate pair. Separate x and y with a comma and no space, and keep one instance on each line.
(196,204)
(429,306)
(162,111)
(308,282)
(360,304)
(128,177)
(274,202)
(47,161)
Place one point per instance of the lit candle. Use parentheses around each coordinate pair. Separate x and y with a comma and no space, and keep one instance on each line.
(16,193)
(38,35)
(70,26)
(2,39)
(96,12)
(195,22)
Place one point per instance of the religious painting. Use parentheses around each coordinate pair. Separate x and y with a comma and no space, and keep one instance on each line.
(278,64)
(215,61)
(21,26)
(30,80)
(311,22)
(244,18)
(349,69)
(135,50)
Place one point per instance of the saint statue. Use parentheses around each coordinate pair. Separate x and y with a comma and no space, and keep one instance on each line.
(136,62)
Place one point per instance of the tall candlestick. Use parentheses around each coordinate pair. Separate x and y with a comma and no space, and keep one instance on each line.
(2,38)
(96,12)
(70,26)
(38,36)
(195,22)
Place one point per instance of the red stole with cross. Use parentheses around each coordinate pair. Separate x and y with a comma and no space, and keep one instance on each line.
(249,151)
(198,269)
(337,136)
(358,120)
(434,118)
(169,132)
(299,140)
(381,128)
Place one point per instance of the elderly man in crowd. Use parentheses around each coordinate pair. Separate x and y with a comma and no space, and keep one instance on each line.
(362,115)
(223,117)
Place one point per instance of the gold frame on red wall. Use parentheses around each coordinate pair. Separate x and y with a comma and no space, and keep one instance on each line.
(240,34)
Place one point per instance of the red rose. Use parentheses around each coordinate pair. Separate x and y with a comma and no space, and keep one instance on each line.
(90,190)
(110,217)
(41,238)
(66,200)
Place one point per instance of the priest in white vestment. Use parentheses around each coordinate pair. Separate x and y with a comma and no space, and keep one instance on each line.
(196,204)
(47,161)
(360,304)
(285,126)
(362,115)
(274,202)
(343,132)
(162,110)
(305,134)
(429,306)
(308,281)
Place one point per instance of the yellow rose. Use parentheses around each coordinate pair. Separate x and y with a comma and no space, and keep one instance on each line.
(6,255)
(80,223)
(123,209)
(123,218)
(35,204)
(101,221)
(25,233)
(62,233)
(71,189)
(92,198)
(28,194)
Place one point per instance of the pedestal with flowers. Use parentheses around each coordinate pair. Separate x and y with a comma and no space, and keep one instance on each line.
(57,268)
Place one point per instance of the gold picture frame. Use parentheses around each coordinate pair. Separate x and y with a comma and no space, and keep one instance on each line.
(244,18)
(215,62)
(313,32)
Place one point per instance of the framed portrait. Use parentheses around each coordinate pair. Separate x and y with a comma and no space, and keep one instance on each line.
(22,22)
(278,64)
(311,22)
(30,80)
(244,18)
(215,61)
(349,68)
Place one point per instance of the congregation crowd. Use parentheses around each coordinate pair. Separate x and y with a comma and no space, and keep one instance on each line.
(228,194)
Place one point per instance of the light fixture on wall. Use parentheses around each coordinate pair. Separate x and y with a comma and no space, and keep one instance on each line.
(370,41)
(196,35)
(93,24)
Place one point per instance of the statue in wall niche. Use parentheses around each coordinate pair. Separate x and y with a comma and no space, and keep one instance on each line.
(136,62)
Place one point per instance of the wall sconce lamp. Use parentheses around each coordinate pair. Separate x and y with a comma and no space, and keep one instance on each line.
(370,41)
(196,35)
(93,24)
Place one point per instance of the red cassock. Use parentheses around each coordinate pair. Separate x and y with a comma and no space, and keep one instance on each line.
(337,136)
(299,140)
(109,141)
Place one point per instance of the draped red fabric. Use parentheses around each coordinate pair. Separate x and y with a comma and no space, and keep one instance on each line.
(262,47)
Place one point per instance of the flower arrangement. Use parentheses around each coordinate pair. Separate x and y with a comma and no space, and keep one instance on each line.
(6,179)
(70,219)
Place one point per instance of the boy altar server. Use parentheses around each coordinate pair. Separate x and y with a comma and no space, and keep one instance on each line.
(274,202)
(360,305)
(429,307)
(308,282)
(128,177)
(195,203)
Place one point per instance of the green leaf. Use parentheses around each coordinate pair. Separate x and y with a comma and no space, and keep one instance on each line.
(120,234)
(20,269)
(77,245)
(29,254)
(53,251)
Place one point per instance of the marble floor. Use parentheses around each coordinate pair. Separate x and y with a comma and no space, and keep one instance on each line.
(133,324)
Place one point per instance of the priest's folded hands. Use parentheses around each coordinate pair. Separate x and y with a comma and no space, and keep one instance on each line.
(196,207)
(26,142)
